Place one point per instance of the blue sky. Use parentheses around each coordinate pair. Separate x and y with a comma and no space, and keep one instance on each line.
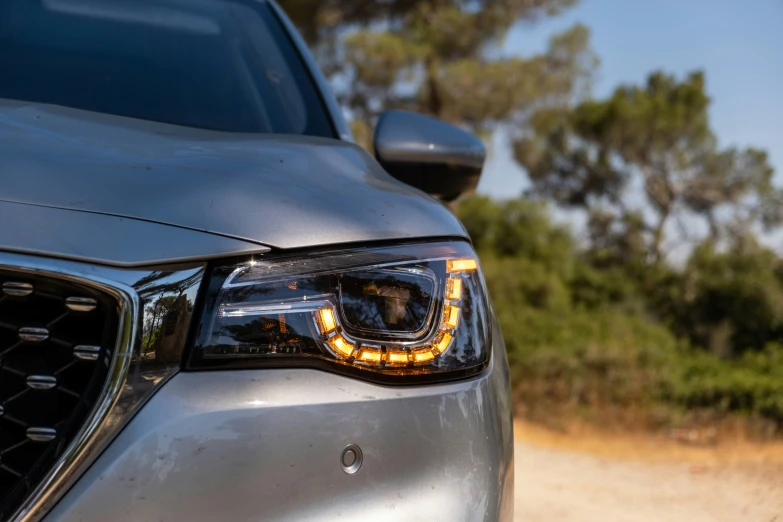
(738,44)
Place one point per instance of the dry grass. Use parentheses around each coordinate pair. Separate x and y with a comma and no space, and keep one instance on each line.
(731,449)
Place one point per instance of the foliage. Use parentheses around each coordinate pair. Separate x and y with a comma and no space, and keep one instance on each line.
(733,300)
(440,58)
(584,331)
(752,384)
(656,138)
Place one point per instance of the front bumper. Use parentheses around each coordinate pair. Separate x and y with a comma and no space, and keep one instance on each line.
(266,445)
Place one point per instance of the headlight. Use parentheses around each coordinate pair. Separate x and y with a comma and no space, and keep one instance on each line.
(391,313)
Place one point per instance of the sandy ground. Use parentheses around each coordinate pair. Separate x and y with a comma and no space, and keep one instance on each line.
(591,478)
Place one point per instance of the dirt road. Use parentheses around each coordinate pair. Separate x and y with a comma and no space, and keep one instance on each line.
(555,483)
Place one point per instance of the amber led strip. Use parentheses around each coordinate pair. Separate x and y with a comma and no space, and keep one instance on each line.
(347,349)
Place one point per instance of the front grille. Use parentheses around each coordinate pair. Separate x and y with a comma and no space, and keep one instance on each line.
(57,340)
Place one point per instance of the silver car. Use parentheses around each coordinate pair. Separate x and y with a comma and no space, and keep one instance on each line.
(215,306)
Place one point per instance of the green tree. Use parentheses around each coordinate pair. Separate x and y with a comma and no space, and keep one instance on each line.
(732,301)
(587,333)
(656,138)
(440,58)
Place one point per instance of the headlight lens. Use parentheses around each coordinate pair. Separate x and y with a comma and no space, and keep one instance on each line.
(393,312)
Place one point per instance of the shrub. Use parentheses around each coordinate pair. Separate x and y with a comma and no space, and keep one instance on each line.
(591,336)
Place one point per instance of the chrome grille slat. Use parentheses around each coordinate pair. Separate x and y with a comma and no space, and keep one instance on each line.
(17,289)
(41,434)
(87,353)
(33,335)
(41,382)
(81,304)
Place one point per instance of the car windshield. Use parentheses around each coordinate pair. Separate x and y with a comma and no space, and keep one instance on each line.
(217,64)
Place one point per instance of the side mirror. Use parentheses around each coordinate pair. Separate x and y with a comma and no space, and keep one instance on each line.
(429,154)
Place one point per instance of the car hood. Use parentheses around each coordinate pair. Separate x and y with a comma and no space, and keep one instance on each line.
(272,190)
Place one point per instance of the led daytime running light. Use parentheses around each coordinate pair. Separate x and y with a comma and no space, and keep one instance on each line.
(344,347)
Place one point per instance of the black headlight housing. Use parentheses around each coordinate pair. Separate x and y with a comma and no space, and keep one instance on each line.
(394,314)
